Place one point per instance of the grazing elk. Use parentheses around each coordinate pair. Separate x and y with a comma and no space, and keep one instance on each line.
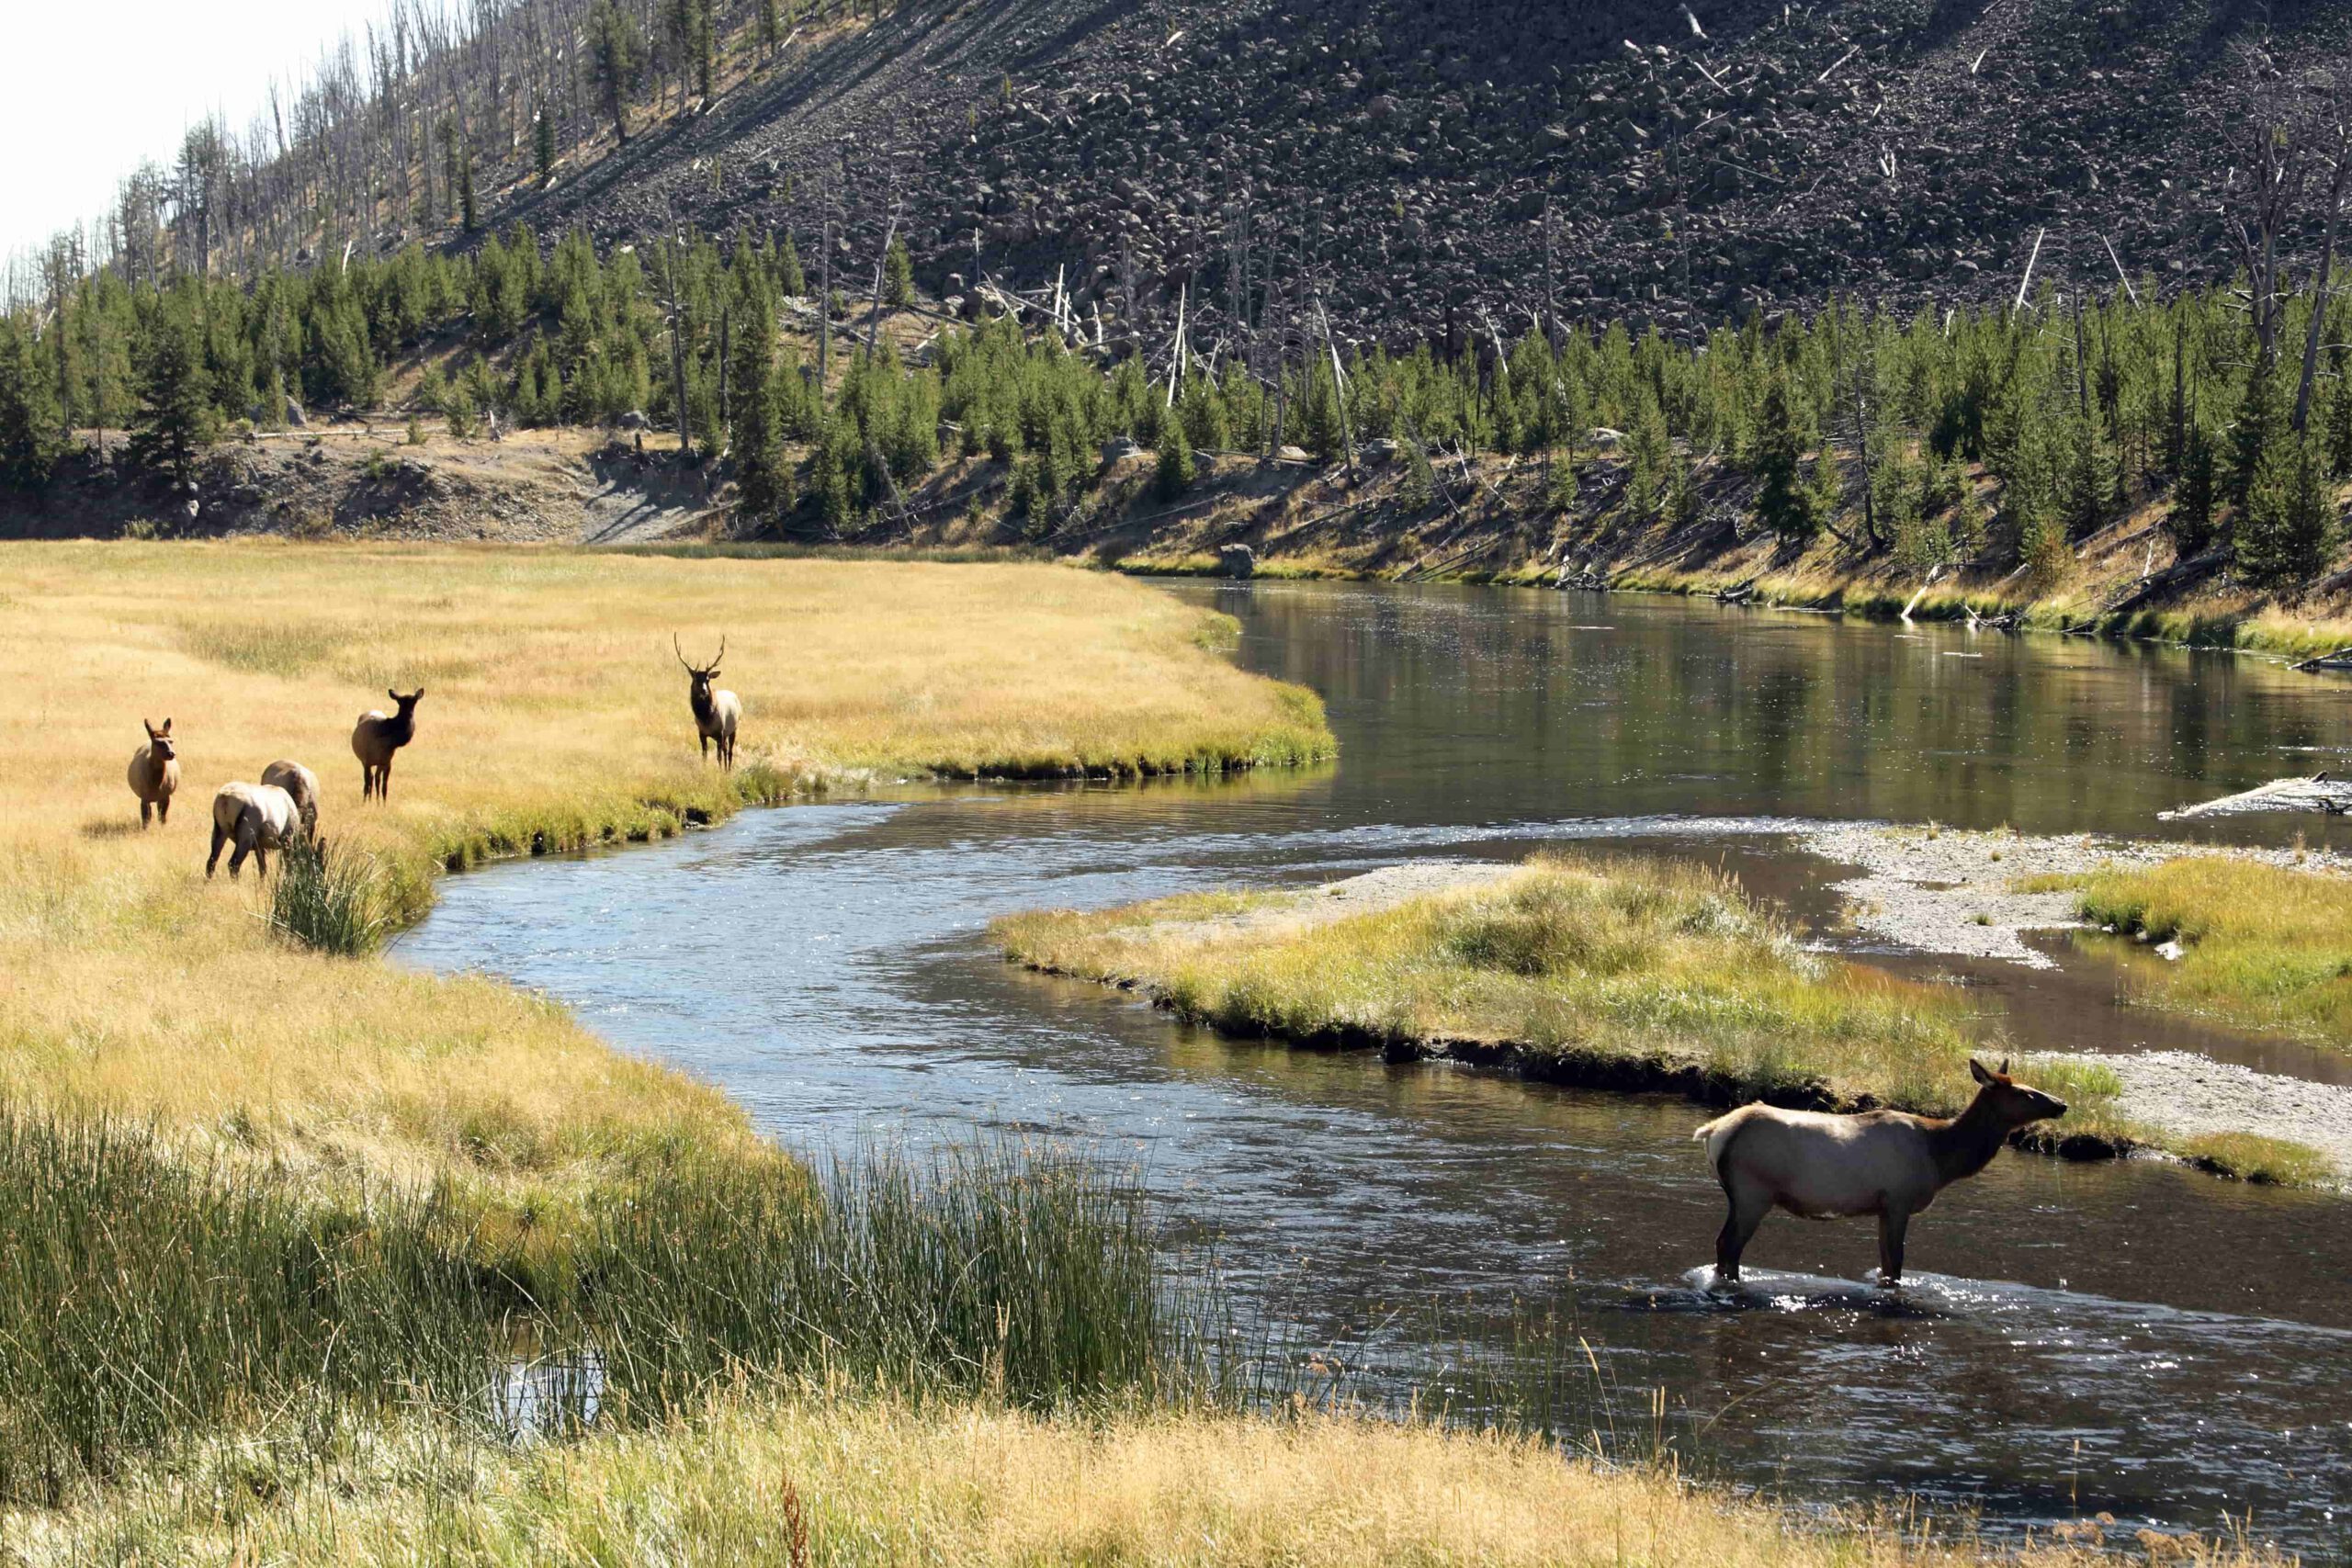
(1887,1163)
(716,713)
(303,785)
(155,774)
(256,818)
(377,736)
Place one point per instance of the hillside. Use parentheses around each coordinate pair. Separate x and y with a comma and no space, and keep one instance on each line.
(1403,152)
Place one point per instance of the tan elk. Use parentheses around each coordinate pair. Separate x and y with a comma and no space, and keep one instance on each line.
(256,818)
(716,713)
(155,774)
(1887,1163)
(377,736)
(301,784)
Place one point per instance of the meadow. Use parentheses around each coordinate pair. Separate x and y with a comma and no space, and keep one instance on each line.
(1615,972)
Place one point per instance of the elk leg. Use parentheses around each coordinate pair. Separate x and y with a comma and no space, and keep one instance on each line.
(1892,1223)
(144,810)
(261,862)
(163,813)
(706,747)
(1748,1210)
(237,859)
(218,838)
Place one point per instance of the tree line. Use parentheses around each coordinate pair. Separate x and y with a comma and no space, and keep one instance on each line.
(2080,409)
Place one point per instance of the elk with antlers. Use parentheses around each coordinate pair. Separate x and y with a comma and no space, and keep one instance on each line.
(717,713)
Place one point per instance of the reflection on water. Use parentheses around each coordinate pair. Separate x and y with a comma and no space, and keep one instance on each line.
(2131,1337)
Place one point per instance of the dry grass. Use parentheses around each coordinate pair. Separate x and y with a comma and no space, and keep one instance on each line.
(554,714)
(854,1483)
(1619,964)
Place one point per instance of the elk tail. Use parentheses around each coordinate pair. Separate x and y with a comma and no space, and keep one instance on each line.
(1717,1135)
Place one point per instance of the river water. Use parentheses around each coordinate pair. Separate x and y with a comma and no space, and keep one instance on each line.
(2131,1339)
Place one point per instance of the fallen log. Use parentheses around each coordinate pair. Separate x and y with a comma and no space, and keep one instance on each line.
(2317,792)
(2149,586)
(2339,659)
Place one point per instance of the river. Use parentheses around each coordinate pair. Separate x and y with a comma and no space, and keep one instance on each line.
(2131,1339)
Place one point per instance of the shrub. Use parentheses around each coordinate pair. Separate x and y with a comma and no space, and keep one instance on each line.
(328,898)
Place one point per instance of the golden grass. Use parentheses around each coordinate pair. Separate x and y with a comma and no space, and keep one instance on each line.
(813,1480)
(1615,970)
(554,716)
(2262,946)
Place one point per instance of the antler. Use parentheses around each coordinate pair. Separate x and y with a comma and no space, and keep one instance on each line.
(720,657)
(682,655)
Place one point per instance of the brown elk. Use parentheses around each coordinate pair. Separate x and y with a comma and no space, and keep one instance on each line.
(377,736)
(256,818)
(155,774)
(302,787)
(1887,1163)
(716,713)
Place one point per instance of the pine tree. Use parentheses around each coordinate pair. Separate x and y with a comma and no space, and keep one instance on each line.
(1649,451)
(897,275)
(1783,504)
(2190,522)
(616,54)
(472,216)
(1175,470)
(2339,426)
(175,420)
(1419,486)
(543,145)
(789,280)
(2260,418)
(1560,483)
(28,420)
(2288,527)
(771,26)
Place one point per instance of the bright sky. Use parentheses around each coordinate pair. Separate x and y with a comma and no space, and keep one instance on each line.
(80,113)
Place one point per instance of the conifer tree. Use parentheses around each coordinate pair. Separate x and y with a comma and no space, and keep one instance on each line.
(466,207)
(2260,417)
(754,427)
(1783,504)
(2289,523)
(897,275)
(1175,469)
(1559,482)
(2339,425)
(1649,451)
(616,54)
(543,144)
(29,442)
(175,420)
(2190,522)
(789,280)
(1419,486)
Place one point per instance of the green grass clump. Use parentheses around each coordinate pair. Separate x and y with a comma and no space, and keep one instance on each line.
(2250,1156)
(2261,945)
(149,1298)
(330,898)
(1603,960)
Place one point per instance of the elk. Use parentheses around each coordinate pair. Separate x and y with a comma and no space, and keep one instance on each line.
(377,736)
(1887,1163)
(302,785)
(155,774)
(716,713)
(257,818)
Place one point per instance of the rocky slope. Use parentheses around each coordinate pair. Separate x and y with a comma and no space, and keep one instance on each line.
(1699,161)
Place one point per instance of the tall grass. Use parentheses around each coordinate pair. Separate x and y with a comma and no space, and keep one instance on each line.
(2261,945)
(148,1298)
(330,898)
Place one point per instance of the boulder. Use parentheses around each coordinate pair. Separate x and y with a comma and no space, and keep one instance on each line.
(1119,449)
(634,420)
(1236,561)
(294,416)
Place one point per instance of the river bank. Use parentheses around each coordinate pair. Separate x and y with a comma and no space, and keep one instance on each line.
(1626,974)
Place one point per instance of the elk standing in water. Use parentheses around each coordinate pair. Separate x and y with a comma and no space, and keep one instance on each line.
(1887,1163)
(377,736)
(257,818)
(155,774)
(716,713)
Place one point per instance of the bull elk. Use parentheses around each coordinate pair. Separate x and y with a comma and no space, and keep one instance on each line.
(256,818)
(377,736)
(716,713)
(155,774)
(1887,1163)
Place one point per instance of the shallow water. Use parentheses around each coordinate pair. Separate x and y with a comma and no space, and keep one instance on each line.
(2133,1338)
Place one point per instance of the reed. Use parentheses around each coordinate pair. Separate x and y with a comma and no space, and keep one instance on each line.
(151,1298)
(330,898)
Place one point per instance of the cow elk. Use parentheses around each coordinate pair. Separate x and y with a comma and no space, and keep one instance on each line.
(256,818)
(1887,1163)
(377,736)
(155,774)
(717,713)
(302,785)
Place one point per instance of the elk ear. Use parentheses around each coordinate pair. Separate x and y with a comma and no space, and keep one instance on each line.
(389,692)
(1976,1071)
(152,733)
(167,724)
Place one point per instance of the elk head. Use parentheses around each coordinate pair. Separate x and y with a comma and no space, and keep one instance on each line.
(159,741)
(2014,1104)
(699,677)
